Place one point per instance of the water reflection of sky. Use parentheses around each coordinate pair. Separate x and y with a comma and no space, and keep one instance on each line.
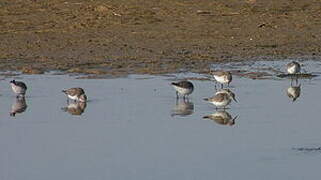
(127,131)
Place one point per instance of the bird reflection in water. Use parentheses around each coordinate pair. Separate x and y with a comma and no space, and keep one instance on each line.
(294,92)
(183,108)
(75,108)
(222,117)
(18,106)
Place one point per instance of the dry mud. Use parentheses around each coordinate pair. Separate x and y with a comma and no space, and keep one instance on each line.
(120,37)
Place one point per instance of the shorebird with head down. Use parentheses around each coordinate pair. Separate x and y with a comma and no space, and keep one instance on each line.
(76,94)
(18,87)
(183,88)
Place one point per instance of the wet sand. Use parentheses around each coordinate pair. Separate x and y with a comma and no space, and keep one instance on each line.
(153,37)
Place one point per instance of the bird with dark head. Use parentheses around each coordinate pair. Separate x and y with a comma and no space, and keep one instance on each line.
(76,94)
(18,87)
(183,88)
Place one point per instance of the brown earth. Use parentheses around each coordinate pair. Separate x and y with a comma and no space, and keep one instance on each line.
(153,36)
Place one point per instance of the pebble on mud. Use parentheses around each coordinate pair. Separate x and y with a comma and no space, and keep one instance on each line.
(75,70)
(101,8)
(30,70)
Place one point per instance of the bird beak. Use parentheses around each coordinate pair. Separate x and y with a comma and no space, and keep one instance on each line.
(233,121)
(235,117)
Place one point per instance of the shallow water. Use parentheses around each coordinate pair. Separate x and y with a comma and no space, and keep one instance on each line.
(132,128)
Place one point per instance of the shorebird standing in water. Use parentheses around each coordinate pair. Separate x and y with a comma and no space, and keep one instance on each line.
(222,98)
(222,77)
(76,94)
(18,87)
(183,88)
(293,68)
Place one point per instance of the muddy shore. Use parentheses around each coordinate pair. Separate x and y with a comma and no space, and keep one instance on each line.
(153,37)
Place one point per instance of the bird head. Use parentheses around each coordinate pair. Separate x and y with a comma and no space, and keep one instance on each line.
(83,98)
(13,82)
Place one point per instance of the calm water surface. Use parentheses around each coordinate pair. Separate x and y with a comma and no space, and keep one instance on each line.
(133,128)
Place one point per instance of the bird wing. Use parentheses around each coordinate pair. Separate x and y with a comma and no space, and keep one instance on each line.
(218,73)
(21,84)
(185,84)
(219,97)
(75,91)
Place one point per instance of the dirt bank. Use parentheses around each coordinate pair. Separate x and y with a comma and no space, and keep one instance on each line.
(140,36)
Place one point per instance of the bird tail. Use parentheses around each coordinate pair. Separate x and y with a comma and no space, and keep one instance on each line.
(206,99)
(206,117)
(64,91)
(174,83)
(65,109)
